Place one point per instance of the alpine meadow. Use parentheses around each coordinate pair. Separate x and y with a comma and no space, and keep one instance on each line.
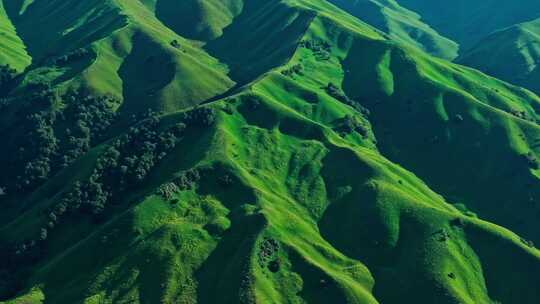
(269,151)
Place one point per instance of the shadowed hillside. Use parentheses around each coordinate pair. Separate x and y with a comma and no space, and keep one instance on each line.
(278,151)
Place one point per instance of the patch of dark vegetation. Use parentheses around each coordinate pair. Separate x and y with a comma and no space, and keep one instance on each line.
(350,124)
(523,115)
(122,167)
(457,222)
(321,49)
(310,96)
(531,160)
(296,69)
(268,254)
(71,57)
(225,180)
(53,131)
(187,180)
(168,190)
(442,235)
(7,74)
(528,243)
(337,93)
(200,117)
(175,44)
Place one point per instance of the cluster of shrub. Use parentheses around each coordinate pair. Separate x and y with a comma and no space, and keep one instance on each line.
(523,115)
(320,48)
(349,124)
(71,57)
(125,164)
(175,44)
(268,254)
(334,91)
(122,166)
(54,132)
(296,69)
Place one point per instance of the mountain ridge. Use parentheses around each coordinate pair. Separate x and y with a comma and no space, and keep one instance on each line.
(334,166)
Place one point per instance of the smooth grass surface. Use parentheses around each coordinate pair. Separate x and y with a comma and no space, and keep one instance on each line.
(358,219)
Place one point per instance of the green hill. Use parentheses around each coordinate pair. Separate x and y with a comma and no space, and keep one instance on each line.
(401,25)
(511,54)
(277,151)
(496,37)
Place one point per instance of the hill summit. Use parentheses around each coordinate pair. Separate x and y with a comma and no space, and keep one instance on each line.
(263,151)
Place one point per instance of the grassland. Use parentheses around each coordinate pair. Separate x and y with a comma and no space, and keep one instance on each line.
(340,166)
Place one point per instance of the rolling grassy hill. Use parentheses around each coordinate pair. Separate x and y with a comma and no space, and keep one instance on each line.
(496,37)
(292,154)
(511,54)
(401,25)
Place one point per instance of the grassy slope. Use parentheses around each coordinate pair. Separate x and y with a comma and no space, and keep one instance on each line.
(350,221)
(469,21)
(196,19)
(121,35)
(511,54)
(12,49)
(401,25)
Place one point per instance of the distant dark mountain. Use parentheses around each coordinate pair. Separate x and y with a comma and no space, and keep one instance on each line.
(267,151)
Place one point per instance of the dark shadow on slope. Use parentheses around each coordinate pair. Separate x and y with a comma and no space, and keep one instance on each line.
(51,28)
(144,72)
(198,19)
(264,36)
(317,286)
(510,271)
(226,275)
(463,149)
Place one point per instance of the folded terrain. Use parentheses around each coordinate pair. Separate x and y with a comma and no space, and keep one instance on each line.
(499,38)
(257,151)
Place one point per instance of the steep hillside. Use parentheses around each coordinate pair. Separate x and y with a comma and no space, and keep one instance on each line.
(324,163)
(467,22)
(12,49)
(100,45)
(401,25)
(511,54)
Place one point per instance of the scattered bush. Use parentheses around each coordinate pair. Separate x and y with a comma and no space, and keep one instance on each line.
(268,251)
(321,49)
(199,117)
(175,44)
(71,57)
(296,69)
(349,124)
(337,93)
(523,115)
(187,180)
(54,131)
(168,190)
